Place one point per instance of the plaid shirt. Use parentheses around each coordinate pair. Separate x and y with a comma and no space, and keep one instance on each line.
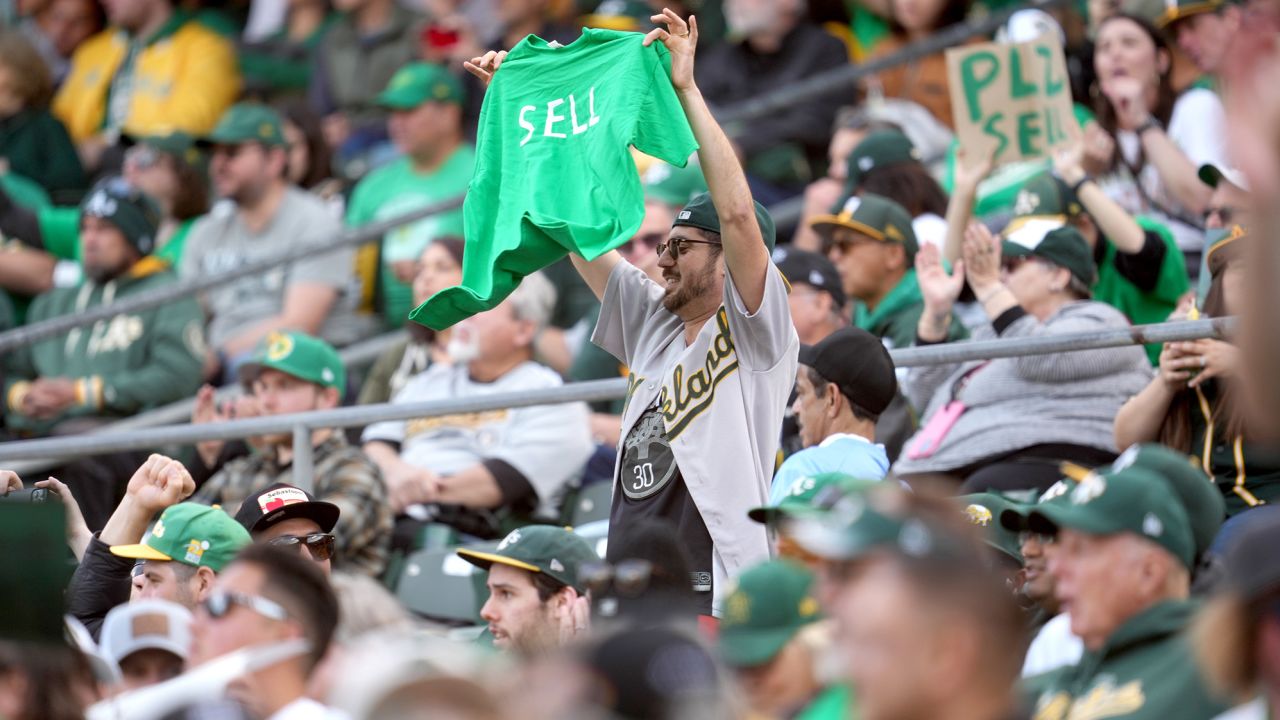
(344,476)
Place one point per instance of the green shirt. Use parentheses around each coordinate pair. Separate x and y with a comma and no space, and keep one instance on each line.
(38,147)
(1143,307)
(897,316)
(555,171)
(396,189)
(833,703)
(1145,671)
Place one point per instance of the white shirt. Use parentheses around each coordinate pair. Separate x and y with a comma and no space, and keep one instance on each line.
(1054,646)
(305,708)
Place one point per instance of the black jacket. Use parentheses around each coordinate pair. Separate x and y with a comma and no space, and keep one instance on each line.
(100,583)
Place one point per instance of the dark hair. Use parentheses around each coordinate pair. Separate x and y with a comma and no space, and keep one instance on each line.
(297,112)
(953,13)
(52,673)
(28,73)
(453,245)
(910,185)
(192,197)
(820,386)
(546,585)
(303,590)
(1165,95)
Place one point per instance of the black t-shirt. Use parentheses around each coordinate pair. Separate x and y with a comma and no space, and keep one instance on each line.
(652,487)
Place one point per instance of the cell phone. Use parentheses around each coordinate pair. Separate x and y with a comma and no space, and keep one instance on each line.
(28,495)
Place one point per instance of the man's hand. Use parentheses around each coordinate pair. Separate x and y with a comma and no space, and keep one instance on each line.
(9,482)
(409,485)
(1068,161)
(938,289)
(49,397)
(486,65)
(206,411)
(681,40)
(78,532)
(575,620)
(160,483)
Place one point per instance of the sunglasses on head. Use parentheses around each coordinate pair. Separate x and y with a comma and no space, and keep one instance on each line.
(219,604)
(678,245)
(320,544)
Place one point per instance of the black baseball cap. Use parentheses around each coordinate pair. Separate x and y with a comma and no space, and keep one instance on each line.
(858,363)
(810,268)
(280,502)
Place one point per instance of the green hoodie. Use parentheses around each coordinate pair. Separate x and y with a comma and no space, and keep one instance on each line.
(1145,671)
(898,314)
(121,366)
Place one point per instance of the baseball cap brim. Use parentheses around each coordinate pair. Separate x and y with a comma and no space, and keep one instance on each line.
(822,223)
(320,512)
(1048,519)
(772,514)
(751,648)
(1212,175)
(484,560)
(1015,520)
(139,551)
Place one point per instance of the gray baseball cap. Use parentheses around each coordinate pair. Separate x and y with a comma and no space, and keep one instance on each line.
(146,625)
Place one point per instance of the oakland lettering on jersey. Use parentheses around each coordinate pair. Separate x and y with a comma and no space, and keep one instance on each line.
(552,119)
(694,394)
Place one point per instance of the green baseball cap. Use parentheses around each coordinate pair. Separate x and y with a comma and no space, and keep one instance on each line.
(1045,195)
(1212,175)
(1195,490)
(245,123)
(1175,10)
(421,82)
(701,213)
(192,534)
(1014,517)
(300,355)
(875,216)
(553,551)
(130,210)
(811,494)
(1064,247)
(765,609)
(985,510)
(674,186)
(879,149)
(1131,500)
(861,523)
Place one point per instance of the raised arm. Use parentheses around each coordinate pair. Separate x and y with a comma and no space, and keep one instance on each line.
(745,255)
(969,173)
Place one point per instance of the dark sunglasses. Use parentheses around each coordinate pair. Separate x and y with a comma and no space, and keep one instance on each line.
(628,578)
(678,245)
(219,604)
(320,545)
(231,151)
(1011,264)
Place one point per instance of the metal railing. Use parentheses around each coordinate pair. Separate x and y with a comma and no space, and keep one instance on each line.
(302,425)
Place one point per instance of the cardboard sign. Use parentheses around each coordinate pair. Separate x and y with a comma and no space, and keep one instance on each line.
(1014,98)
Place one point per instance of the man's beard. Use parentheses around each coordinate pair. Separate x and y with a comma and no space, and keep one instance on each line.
(690,288)
(101,275)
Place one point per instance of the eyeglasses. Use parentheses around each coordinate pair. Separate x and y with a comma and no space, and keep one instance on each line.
(628,578)
(1225,214)
(143,157)
(677,245)
(231,151)
(1041,538)
(845,243)
(320,545)
(1011,264)
(219,604)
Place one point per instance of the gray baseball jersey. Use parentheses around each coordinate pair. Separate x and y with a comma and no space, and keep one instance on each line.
(721,400)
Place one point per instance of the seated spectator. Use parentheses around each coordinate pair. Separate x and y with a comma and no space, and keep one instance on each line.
(1123,552)
(439,267)
(1193,405)
(886,163)
(310,166)
(872,244)
(763,637)
(1006,424)
(1154,142)
(778,47)
(183,83)
(1141,271)
(817,293)
(116,368)
(1231,202)
(60,27)
(265,596)
(425,123)
(148,640)
(293,373)
(33,142)
(268,216)
(363,48)
(279,65)
(537,601)
(519,460)
(290,518)
(922,81)
(843,384)
(1203,31)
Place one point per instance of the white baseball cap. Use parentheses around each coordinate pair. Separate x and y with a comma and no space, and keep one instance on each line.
(146,625)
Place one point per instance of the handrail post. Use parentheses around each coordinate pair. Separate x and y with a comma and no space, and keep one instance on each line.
(303,458)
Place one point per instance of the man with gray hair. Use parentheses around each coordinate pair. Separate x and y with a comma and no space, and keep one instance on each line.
(515,461)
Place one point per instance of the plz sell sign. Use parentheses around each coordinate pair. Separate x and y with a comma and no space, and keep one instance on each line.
(1013,98)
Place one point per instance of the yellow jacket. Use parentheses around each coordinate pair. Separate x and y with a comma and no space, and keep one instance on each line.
(184,78)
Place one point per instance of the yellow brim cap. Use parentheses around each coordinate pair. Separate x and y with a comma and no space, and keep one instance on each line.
(138,552)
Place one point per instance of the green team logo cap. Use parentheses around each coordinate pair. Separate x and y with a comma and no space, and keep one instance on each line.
(811,495)
(245,123)
(1129,500)
(130,210)
(865,522)
(875,216)
(191,534)
(1014,517)
(985,511)
(766,608)
(300,355)
(671,185)
(1175,10)
(880,149)
(545,549)
(418,83)
(1063,246)
(701,213)
(1044,196)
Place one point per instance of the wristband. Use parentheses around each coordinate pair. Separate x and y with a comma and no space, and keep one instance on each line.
(1149,124)
(1075,186)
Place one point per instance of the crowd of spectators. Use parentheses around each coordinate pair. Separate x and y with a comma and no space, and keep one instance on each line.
(806,530)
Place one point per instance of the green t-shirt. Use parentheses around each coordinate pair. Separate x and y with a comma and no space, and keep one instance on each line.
(897,317)
(397,189)
(1144,307)
(554,172)
(833,703)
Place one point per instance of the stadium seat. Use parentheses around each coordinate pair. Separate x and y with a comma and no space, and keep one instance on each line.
(440,586)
